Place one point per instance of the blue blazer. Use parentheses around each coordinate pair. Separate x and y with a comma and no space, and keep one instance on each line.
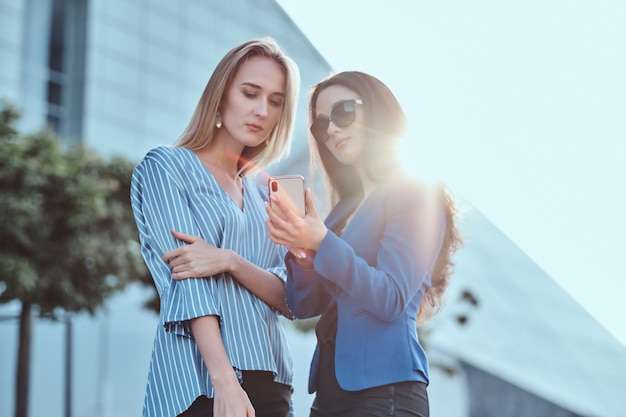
(377,272)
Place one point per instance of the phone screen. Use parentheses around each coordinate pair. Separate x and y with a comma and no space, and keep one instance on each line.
(290,189)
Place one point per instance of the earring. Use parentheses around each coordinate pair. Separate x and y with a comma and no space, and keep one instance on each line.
(267,142)
(218,120)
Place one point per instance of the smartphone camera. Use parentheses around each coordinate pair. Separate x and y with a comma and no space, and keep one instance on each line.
(290,189)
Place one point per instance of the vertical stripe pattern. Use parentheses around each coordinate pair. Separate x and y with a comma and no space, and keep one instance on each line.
(171,189)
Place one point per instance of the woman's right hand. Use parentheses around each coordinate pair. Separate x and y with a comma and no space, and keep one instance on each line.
(231,400)
(197,259)
(292,230)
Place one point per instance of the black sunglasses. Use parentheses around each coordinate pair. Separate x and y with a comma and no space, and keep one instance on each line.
(341,115)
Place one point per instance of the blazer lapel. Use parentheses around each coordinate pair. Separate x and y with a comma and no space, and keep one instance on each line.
(337,217)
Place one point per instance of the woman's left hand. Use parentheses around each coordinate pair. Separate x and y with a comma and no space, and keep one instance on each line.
(197,259)
(292,230)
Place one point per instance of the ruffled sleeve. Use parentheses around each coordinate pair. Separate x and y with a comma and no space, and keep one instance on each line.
(160,203)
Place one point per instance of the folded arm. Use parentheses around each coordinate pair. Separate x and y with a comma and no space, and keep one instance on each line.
(200,259)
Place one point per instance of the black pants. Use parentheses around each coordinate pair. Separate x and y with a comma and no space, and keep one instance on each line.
(268,397)
(402,399)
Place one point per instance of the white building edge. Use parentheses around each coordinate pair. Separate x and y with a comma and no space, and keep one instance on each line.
(533,343)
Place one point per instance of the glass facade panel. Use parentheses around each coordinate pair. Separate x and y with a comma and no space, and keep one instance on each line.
(131,14)
(110,132)
(162,119)
(123,40)
(199,16)
(119,72)
(118,103)
(164,59)
(162,91)
(34,56)
(10,72)
(173,9)
(164,28)
(10,23)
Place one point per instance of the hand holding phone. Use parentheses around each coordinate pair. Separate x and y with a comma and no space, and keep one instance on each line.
(290,190)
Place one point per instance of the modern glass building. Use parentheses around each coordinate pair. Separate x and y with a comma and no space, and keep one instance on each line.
(123,76)
(120,77)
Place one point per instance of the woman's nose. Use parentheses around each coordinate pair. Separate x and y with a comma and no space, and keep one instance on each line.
(261,108)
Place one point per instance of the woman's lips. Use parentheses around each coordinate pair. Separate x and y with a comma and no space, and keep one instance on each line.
(341,143)
(253,127)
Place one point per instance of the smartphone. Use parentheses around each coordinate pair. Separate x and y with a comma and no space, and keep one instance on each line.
(289,188)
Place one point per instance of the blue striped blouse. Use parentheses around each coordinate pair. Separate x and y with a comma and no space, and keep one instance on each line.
(171,189)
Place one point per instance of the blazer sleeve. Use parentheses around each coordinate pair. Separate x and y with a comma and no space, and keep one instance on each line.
(160,203)
(412,231)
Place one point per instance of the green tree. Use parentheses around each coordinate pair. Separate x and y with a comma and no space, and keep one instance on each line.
(68,239)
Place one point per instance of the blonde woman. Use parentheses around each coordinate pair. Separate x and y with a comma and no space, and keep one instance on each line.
(219,348)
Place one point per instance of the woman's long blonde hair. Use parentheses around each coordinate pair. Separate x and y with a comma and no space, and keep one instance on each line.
(201,128)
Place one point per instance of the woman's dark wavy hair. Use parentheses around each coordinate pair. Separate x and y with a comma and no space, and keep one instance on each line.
(444,265)
(386,124)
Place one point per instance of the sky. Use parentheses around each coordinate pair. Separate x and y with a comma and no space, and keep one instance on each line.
(520,107)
